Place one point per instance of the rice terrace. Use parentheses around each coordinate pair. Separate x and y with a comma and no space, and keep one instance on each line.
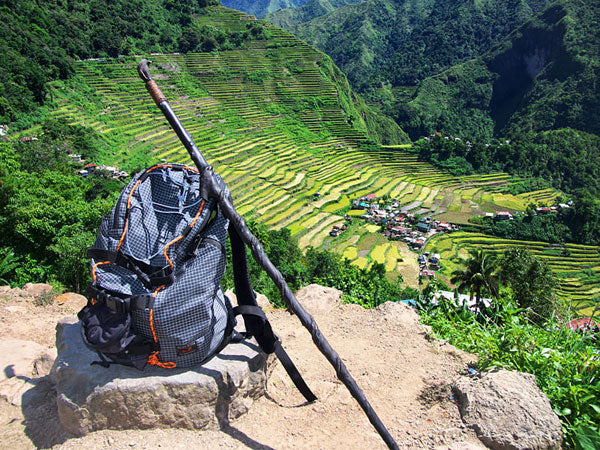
(288,139)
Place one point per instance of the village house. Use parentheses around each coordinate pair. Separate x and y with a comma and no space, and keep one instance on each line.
(463,299)
(423,227)
(504,215)
(427,273)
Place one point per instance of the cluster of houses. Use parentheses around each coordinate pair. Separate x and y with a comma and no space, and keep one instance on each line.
(336,230)
(110,171)
(542,210)
(398,223)
(469,144)
(428,264)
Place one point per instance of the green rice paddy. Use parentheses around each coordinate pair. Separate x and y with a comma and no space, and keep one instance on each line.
(577,267)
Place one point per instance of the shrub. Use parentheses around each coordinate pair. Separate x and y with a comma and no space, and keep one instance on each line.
(565,363)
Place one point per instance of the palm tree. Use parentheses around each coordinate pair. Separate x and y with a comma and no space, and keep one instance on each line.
(478,276)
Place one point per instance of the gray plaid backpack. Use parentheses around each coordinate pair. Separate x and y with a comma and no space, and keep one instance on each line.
(157,264)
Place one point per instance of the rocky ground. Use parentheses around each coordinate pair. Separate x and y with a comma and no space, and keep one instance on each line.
(404,373)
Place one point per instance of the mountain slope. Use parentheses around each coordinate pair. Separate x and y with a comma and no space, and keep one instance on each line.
(261,8)
(542,76)
(289,17)
(42,39)
(404,41)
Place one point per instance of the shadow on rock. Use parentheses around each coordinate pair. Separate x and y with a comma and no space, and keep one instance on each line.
(41,416)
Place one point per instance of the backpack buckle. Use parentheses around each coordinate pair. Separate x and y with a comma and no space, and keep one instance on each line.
(117,305)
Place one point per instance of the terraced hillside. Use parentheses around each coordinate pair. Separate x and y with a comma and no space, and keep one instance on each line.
(277,121)
(576,266)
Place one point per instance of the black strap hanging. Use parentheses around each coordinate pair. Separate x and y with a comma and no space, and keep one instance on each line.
(256,321)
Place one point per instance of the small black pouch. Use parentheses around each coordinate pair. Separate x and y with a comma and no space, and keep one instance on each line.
(104,330)
(110,334)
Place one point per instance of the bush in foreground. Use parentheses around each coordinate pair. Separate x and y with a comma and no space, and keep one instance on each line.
(565,363)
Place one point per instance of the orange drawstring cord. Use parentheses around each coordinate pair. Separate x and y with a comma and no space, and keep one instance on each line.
(153,360)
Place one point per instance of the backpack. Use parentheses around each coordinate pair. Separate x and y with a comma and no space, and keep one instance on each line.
(156,265)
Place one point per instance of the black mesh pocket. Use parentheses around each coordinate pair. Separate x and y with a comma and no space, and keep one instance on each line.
(104,330)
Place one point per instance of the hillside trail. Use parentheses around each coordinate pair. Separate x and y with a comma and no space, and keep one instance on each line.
(405,374)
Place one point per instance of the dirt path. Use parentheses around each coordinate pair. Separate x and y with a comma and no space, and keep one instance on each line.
(404,374)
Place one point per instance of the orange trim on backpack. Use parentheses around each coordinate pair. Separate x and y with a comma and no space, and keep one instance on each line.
(127,220)
(96,265)
(181,236)
(92,300)
(152,325)
(198,214)
(167,247)
(152,358)
(152,312)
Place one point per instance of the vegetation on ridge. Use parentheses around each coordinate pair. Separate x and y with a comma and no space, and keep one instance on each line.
(543,76)
(401,42)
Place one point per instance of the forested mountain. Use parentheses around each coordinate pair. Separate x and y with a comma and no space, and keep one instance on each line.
(41,40)
(260,8)
(542,76)
(404,41)
(289,17)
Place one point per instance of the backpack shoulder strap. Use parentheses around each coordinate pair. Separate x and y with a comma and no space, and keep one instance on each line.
(256,321)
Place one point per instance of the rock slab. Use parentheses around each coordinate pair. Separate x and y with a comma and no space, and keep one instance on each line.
(91,397)
(508,411)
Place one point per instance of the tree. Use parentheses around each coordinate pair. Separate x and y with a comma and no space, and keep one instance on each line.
(532,282)
(479,275)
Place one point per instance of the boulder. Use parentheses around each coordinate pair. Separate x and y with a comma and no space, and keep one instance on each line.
(261,300)
(23,364)
(318,299)
(507,410)
(74,301)
(35,290)
(5,291)
(91,397)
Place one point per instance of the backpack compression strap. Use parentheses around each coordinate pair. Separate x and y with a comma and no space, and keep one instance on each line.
(256,321)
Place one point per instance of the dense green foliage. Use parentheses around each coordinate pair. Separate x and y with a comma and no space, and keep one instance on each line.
(49,213)
(567,158)
(289,17)
(542,76)
(206,38)
(401,42)
(565,363)
(260,8)
(366,287)
(41,39)
(530,282)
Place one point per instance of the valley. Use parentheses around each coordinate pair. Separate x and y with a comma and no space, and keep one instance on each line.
(279,123)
